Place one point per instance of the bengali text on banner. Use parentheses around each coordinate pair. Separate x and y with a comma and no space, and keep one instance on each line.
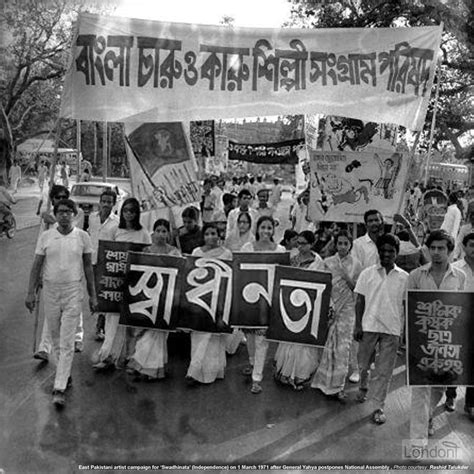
(130,70)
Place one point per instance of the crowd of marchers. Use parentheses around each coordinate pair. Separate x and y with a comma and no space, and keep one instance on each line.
(370,277)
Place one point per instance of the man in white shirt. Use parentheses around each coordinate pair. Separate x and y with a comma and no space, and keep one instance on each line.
(48,221)
(262,206)
(465,230)
(218,191)
(62,259)
(416,199)
(276,193)
(15,176)
(453,217)
(299,214)
(439,274)
(102,226)
(380,291)
(466,265)
(209,202)
(245,199)
(364,248)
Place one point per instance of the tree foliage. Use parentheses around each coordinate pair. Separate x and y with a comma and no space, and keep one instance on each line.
(454,121)
(37,36)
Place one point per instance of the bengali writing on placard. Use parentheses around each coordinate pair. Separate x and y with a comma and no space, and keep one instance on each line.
(111,271)
(435,319)
(144,61)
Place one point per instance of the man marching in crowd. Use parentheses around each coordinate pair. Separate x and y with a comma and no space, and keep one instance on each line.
(437,275)
(62,257)
(364,248)
(48,220)
(380,291)
(245,198)
(102,226)
(467,266)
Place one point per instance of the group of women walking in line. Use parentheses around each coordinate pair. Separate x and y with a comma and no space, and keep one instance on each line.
(143,352)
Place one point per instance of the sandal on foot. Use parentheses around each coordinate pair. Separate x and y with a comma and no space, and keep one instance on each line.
(378,417)
(361,396)
(342,396)
(247,371)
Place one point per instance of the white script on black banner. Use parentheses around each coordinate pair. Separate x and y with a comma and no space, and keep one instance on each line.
(440,345)
(300,306)
(254,280)
(151,292)
(206,295)
(110,273)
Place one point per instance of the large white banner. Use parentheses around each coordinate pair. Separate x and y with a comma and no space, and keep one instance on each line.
(346,184)
(137,70)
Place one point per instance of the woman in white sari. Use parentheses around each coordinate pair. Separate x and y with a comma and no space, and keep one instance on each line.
(257,345)
(116,337)
(151,352)
(295,364)
(242,234)
(208,358)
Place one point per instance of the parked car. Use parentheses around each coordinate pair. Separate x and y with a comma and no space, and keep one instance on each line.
(86,195)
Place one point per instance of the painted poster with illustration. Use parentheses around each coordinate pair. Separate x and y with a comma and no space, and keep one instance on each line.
(151,292)
(206,295)
(162,165)
(349,134)
(254,282)
(302,168)
(345,184)
(300,306)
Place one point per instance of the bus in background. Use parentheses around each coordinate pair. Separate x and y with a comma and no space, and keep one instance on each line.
(448,175)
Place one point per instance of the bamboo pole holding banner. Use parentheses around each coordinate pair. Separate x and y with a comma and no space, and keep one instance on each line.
(78,146)
(104,153)
(433,123)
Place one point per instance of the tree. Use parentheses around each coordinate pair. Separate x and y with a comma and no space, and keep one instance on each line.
(455,121)
(38,37)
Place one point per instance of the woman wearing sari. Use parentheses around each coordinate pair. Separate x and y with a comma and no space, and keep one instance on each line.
(257,345)
(295,364)
(242,234)
(234,242)
(208,359)
(151,353)
(332,371)
(129,230)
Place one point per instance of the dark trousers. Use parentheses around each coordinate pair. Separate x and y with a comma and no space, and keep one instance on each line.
(100,325)
(470,397)
(451,392)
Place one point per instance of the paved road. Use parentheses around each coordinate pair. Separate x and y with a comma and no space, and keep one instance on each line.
(109,421)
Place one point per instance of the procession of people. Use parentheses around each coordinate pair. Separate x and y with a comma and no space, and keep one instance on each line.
(370,277)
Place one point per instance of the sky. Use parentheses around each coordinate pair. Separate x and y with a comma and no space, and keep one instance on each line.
(252,13)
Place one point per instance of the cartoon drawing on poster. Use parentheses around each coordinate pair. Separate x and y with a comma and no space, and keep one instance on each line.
(345,184)
(348,134)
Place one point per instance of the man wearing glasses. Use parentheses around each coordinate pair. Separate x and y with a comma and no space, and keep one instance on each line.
(62,257)
(48,220)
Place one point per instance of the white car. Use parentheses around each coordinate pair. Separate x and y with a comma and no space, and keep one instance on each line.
(87,195)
